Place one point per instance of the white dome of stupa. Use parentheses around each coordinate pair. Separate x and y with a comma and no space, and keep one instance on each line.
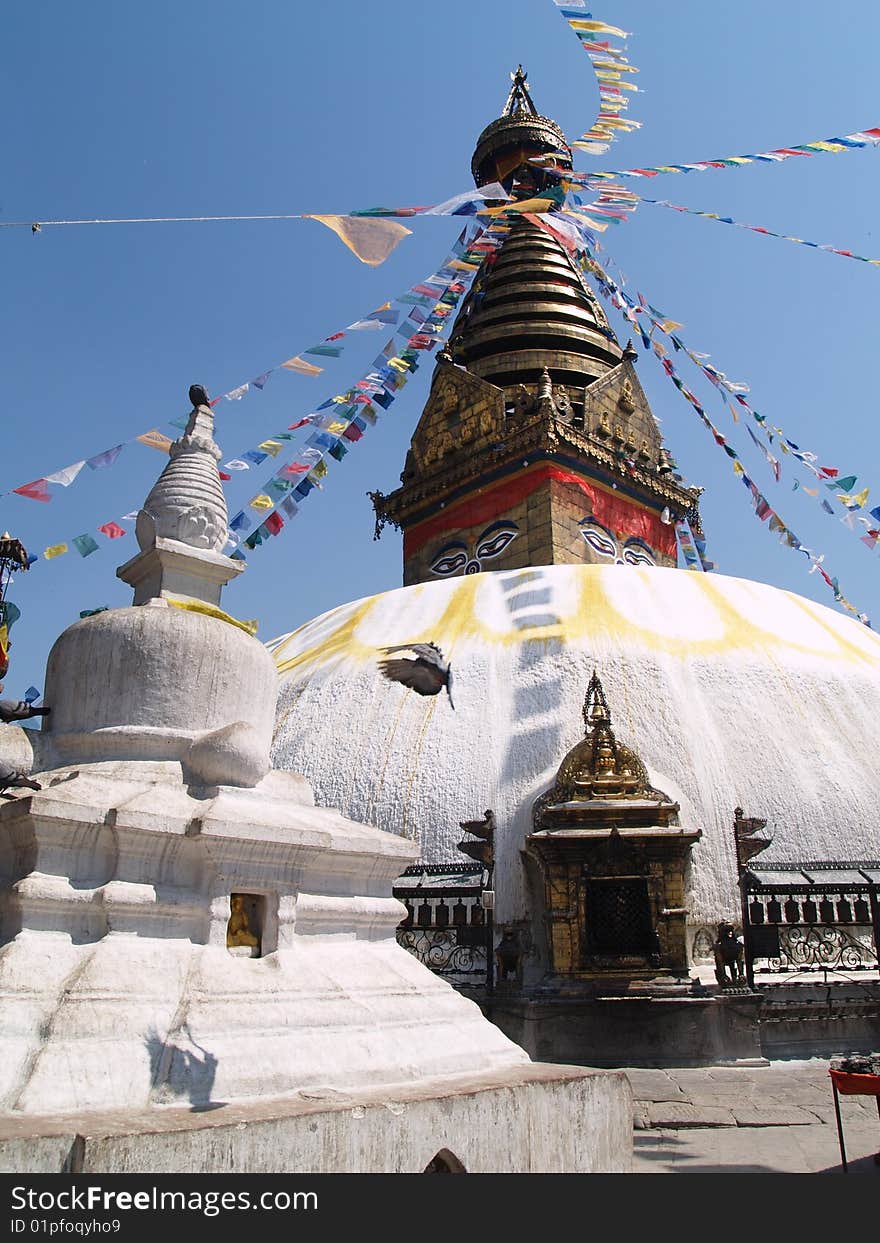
(733,693)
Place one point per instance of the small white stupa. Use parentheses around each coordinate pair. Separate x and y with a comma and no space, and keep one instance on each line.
(198,965)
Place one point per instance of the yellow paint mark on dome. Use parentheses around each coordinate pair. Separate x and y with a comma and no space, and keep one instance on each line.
(340,641)
(664,610)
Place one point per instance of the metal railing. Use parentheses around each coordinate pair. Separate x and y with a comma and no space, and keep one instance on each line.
(811,916)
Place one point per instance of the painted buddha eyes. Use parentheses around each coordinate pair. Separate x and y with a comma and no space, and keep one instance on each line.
(489,543)
(450,559)
(633,552)
(493,541)
(637,553)
(599,538)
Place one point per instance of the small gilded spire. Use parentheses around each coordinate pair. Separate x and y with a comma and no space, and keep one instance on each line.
(519,99)
(596,711)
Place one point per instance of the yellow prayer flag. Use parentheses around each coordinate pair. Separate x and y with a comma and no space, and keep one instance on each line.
(598,28)
(319,470)
(155,440)
(337,426)
(370,239)
(301,367)
(57,550)
(262,502)
(535,205)
(273,447)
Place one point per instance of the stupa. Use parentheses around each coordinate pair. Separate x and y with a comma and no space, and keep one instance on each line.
(198,965)
(537,504)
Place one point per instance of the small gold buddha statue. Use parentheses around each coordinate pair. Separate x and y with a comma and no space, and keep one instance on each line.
(238,929)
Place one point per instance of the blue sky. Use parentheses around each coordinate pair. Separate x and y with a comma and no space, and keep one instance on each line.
(218,108)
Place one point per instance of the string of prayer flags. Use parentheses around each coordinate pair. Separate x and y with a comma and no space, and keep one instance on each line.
(762,507)
(754,228)
(347,416)
(371,240)
(693,548)
(470,203)
(849,142)
(395,365)
(829,476)
(611,68)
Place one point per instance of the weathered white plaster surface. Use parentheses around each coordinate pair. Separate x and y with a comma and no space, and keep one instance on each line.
(732,692)
(532,1119)
(118,988)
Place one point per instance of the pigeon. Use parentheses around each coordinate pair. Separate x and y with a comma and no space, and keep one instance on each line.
(426,675)
(19,710)
(198,395)
(11,778)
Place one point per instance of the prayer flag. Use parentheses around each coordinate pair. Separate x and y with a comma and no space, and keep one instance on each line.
(104,459)
(369,325)
(155,440)
(236,464)
(85,545)
(240,522)
(66,477)
(236,394)
(260,381)
(36,490)
(332,351)
(301,367)
(371,240)
(271,446)
(262,502)
(253,455)
(112,530)
(274,523)
(56,550)
(290,506)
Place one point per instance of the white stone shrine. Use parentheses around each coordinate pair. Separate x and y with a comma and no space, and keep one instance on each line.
(144,1029)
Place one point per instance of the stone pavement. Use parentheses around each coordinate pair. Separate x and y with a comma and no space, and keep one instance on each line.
(776,1118)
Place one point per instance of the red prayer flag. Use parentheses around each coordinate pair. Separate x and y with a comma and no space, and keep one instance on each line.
(295,468)
(274,523)
(112,530)
(294,426)
(36,490)
(224,476)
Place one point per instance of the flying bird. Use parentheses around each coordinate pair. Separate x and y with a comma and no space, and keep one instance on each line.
(427,674)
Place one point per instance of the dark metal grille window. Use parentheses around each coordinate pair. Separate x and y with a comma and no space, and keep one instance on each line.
(618,917)
(445,924)
(813,916)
